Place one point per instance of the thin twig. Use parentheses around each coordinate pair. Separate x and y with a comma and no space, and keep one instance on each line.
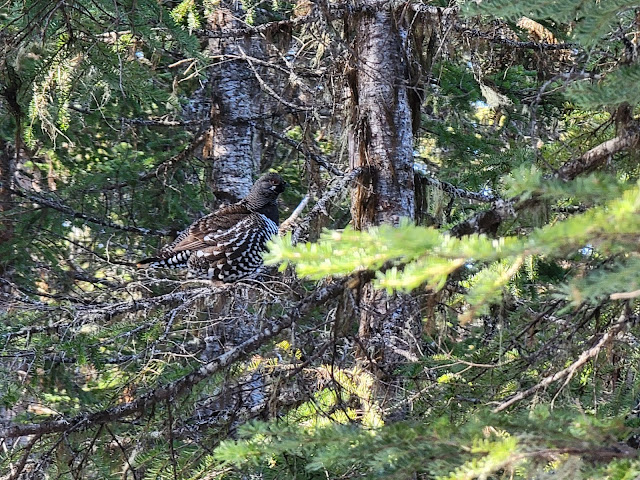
(178,387)
(60,207)
(573,368)
(319,159)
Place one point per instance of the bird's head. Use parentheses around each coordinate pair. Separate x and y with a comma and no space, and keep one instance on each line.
(265,191)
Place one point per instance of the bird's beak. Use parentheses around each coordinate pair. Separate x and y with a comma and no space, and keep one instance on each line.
(279,187)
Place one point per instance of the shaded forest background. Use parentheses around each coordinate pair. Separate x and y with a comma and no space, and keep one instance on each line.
(453,293)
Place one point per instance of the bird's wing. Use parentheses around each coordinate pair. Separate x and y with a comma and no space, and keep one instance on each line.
(204,232)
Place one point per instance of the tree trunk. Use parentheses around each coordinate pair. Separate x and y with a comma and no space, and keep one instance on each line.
(233,149)
(6,174)
(381,141)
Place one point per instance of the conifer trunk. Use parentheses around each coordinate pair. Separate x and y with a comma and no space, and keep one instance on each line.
(381,141)
(7,162)
(233,149)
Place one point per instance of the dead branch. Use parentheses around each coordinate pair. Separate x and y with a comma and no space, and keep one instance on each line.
(321,205)
(174,389)
(574,367)
(319,159)
(500,39)
(454,191)
(288,223)
(597,156)
(18,468)
(112,309)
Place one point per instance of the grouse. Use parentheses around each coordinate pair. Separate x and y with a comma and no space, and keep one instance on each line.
(227,245)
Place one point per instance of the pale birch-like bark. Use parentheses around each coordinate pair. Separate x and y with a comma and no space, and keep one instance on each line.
(381,143)
(232,149)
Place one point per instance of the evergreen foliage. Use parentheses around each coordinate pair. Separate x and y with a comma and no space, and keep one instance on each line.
(522,257)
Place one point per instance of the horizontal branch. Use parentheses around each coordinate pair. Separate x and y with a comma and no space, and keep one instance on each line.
(330,11)
(145,122)
(500,39)
(30,330)
(181,386)
(454,191)
(60,207)
(248,30)
(113,309)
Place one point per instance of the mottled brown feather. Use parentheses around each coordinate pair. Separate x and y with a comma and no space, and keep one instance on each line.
(227,244)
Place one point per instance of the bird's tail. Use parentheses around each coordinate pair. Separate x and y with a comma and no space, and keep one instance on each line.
(177,260)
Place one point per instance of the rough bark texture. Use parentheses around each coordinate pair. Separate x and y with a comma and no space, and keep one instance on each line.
(381,143)
(6,174)
(233,148)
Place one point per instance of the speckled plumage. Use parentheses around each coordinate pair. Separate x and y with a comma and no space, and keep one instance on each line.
(228,244)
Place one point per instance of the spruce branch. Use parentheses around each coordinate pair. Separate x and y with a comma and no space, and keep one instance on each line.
(172,390)
(489,220)
(567,373)
(57,205)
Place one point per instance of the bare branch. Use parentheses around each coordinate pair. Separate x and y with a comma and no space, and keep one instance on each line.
(474,33)
(454,191)
(112,309)
(322,204)
(319,159)
(17,469)
(597,156)
(571,369)
(60,207)
(270,27)
(184,384)
(288,223)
